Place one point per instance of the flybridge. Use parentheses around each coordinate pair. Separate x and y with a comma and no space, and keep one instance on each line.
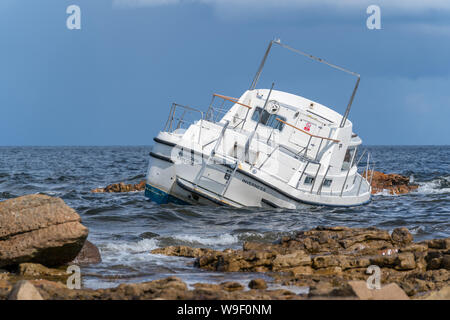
(269,148)
(310,56)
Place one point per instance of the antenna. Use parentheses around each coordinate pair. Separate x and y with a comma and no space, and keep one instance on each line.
(310,56)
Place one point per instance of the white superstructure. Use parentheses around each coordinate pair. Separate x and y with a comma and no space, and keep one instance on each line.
(270,148)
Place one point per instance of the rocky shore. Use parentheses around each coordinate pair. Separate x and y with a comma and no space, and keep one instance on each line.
(332,261)
(40,236)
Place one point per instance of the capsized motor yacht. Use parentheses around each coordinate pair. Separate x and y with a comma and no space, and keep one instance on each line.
(268,148)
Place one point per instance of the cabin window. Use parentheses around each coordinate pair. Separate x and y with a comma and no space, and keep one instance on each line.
(327,182)
(309,180)
(268,119)
(348,158)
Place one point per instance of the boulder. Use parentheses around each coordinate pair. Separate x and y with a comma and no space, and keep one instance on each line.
(24,290)
(38,228)
(89,254)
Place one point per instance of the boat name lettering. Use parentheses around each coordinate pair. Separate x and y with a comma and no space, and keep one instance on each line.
(254,185)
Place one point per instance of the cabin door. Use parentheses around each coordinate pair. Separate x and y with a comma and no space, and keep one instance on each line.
(301,138)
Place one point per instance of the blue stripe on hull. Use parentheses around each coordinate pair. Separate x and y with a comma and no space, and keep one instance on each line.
(161,197)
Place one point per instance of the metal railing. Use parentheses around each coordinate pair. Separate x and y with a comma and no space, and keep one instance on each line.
(305,149)
(176,121)
(215,113)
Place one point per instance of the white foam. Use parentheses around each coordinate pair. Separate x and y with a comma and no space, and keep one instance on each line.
(128,252)
(433,186)
(223,239)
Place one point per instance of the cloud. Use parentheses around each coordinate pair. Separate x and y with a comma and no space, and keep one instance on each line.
(401,5)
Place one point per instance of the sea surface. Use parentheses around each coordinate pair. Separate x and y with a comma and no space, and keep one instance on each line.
(126,226)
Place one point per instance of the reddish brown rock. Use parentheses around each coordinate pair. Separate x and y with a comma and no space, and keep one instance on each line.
(394,183)
(121,187)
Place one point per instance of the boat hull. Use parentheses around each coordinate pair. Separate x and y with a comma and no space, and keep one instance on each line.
(173,181)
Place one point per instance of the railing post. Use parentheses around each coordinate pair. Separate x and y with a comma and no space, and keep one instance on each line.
(301,176)
(315,178)
(324,177)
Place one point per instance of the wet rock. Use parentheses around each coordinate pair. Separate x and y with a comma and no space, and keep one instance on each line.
(41,229)
(24,290)
(259,284)
(89,254)
(394,183)
(121,187)
(402,236)
(183,251)
(232,286)
(388,292)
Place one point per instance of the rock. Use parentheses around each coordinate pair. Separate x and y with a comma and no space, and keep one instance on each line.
(298,258)
(405,261)
(182,251)
(24,290)
(37,270)
(443,294)
(232,286)
(258,284)
(325,258)
(121,187)
(394,183)
(328,290)
(402,236)
(41,229)
(89,254)
(327,261)
(388,292)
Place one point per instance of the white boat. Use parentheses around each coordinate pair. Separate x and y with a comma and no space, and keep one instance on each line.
(268,149)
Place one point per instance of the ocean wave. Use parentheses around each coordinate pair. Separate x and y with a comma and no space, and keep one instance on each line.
(436,186)
(144,245)
(127,253)
(219,240)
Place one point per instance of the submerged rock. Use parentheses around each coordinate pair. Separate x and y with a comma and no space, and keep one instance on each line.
(38,228)
(121,187)
(394,183)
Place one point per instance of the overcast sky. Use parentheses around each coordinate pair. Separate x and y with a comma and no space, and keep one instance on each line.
(112,82)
